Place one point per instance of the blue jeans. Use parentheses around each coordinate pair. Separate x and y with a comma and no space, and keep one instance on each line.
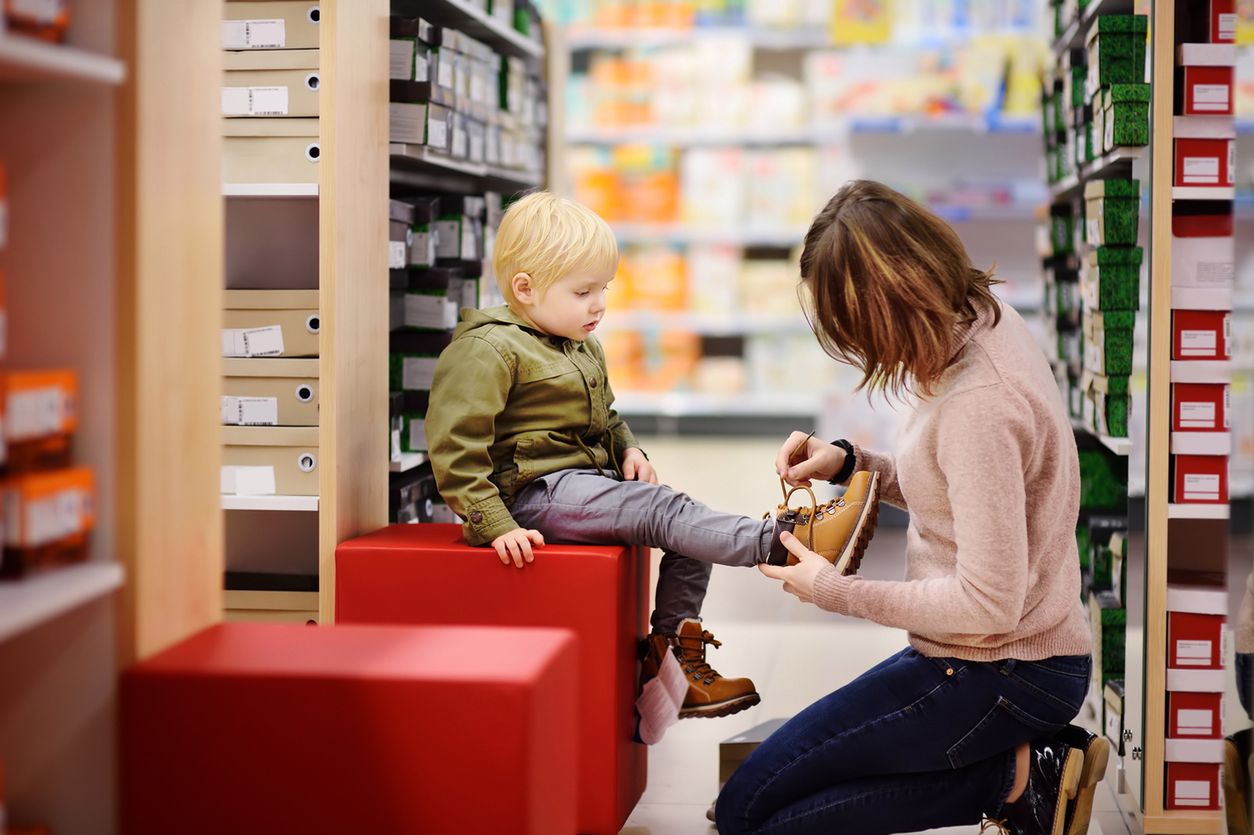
(914,743)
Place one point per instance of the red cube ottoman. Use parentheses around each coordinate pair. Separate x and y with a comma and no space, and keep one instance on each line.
(426,574)
(265,728)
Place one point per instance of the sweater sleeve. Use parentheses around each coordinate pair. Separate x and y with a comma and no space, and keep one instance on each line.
(886,465)
(983,444)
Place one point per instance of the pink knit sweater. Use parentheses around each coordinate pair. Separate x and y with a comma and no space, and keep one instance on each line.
(987,468)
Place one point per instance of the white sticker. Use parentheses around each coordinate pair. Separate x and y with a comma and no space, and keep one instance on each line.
(396,445)
(422,250)
(34,413)
(53,518)
(247,481)
(437,133)
(401,60)
(1215,273)
(444,70)
(252,342)
(417,373)
(1191,792)
(1197,343)
(422,66)
(1094,229)
(250,411)
(1227,27)
(235,101)
(1201,170)
(235,34)
(1201,487)
(1195,722)
(397,255)
(1193,653)
(267,101)
(461,143)
(1108,136)
(418,435)
(1197,416)
(1210,97)
(266,34)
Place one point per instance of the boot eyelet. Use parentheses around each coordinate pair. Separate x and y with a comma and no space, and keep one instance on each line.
(840,503)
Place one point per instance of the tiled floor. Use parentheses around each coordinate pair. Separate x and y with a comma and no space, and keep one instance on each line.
(793,652)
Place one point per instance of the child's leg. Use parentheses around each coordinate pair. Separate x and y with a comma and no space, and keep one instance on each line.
(681,584)
(581,506)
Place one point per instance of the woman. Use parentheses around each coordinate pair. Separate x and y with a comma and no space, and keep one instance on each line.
(971,719)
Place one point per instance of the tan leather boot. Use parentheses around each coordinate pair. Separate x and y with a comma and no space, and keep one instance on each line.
(838,531)
(709,694)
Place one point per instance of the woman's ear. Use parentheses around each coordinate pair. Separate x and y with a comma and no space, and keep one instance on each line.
(523,289)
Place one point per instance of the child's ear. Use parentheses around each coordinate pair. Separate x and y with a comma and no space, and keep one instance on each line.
(523,289)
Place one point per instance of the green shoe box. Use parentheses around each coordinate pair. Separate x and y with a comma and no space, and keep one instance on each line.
(1125,115)
(1109,622)
(1107,404)
(1062,229)
(1116,51)
(1112,212)
(1108,341)
(1111,278)
(1103,479)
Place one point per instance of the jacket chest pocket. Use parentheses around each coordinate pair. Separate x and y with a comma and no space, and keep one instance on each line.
(531,373)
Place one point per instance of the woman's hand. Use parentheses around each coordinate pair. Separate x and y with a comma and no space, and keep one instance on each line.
(798,579)
(637,467)
(803,457)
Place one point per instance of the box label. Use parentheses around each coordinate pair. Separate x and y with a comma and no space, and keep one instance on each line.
(397,255)
(250,411)
(35,413)
(1210,97)
(1201,487)
(254,34)
(252,342)
(1193,653)
(1201,170)
(254,101)
(1191,793)
(437,132)
(1227,24)
(1197,415)
(53,518)
(247,481)
(1198,343)
(1195,722)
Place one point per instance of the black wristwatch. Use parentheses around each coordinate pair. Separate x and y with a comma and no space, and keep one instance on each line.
(851,461)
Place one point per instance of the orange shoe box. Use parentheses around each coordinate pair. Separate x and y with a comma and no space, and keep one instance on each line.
(40,413)
(47,518)
(45,19)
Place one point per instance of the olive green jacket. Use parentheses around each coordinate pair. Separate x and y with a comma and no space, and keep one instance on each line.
(511,404)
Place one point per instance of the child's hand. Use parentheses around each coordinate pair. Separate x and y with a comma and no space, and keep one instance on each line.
(516,545)
(637,468)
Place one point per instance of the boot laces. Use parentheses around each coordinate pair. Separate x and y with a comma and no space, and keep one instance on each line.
(692,658)
(1000,826)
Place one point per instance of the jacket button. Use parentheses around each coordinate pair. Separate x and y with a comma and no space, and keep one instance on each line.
(592,383)
(476,517)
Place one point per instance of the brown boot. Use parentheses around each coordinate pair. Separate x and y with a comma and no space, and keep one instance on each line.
(838,531)
(709,694)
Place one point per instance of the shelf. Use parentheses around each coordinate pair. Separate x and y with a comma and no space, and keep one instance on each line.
(409,461)
(420,166)
(707,324)
(27,59)
(1119,446)
(1197,511)
(463,16)
(1184,822)
(693,137)
(958,123)
(30,603)
(269,189)
(1097,169)
(828,134)
(764,38)
(1202,193)
(755,404)
(1073,36)
(301,503)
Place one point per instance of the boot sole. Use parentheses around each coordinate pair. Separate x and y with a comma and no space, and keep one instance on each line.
(1068,790)
(720,709)
(1096,756)
(851,560)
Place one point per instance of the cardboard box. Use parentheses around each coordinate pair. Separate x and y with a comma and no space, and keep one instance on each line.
(1201,335)
(1112,212)
(1205,79)
(409,56)
(291,91)
(1195,715)
(1205,151)
(1195,640)
(47,20)
(419,124)
(1223,20)
(271,323)
(1125,115)
(266,461)
(1199,479)
(1111,278)
(48,516)
(412,360)
(1200,407)
(1192,785)
(1116,51)
(733,751)
(1108,342)
(40,413)
(271,150)
(270,392)
(285,24)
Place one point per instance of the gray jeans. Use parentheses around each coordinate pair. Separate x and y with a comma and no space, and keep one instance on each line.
(587,508)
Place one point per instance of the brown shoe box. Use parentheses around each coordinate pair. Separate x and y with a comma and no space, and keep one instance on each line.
(734,751)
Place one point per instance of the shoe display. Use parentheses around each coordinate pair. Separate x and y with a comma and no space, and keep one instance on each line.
(1096,755)
(838,531)
(709,693)
(1054,769)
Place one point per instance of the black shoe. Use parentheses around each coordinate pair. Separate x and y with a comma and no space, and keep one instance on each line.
(1096,755)
(1053,780)
(1236,780)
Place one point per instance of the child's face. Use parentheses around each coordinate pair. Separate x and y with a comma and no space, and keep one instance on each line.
(572,306)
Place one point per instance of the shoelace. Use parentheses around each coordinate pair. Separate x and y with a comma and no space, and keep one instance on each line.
(993,823)
(697,666)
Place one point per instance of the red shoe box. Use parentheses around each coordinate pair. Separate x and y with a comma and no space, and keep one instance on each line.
(1201,335)
(1205,152)
(1205,79)
(1199,479)
(1194,640)
(1199,407)
(1203,258)
(4,207)
(1192,786)
(1223,21)
(1195,715)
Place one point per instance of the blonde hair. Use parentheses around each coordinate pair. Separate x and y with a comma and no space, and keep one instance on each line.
(548,237)
(890,283)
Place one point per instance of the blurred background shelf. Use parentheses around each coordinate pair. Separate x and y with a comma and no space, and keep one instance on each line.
(467,18)
(28,603)
(27,59)
(269,189)
(296,503)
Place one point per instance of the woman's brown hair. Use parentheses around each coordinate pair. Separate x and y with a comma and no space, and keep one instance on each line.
(890,284)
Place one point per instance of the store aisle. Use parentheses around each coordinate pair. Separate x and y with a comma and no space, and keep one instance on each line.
(795,653)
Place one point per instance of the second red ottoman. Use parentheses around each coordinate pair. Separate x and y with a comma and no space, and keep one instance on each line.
(426,574)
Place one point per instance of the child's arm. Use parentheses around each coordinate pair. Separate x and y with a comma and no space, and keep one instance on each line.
(472,383)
